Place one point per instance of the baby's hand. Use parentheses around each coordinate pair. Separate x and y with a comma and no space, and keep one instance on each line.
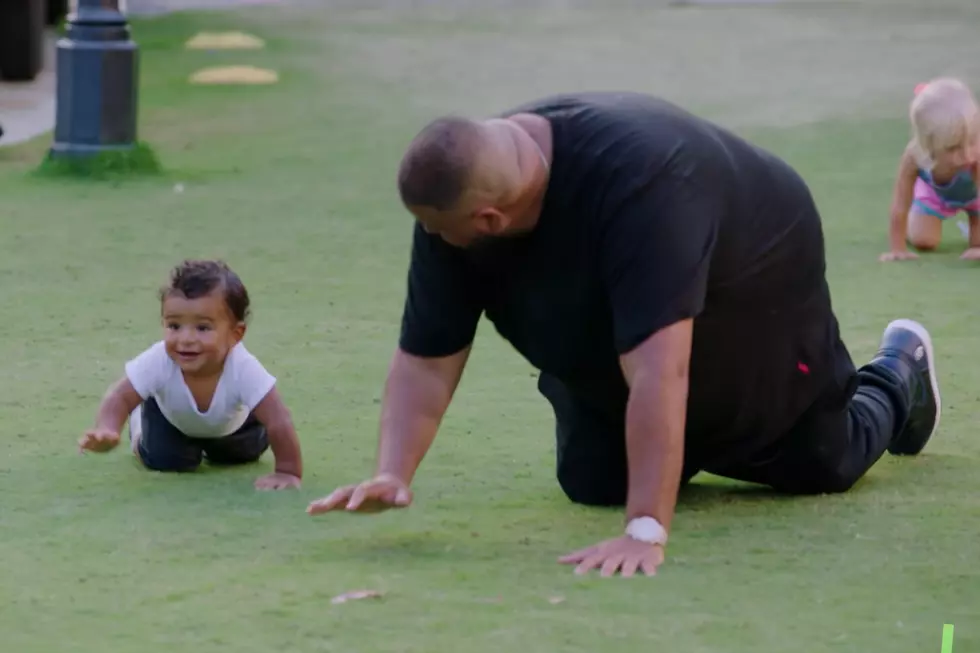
(276,481)
(898,255)
(99,440)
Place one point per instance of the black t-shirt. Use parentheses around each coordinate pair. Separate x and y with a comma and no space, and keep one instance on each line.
(652,215)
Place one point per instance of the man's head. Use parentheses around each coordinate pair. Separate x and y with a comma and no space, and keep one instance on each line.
(468,180)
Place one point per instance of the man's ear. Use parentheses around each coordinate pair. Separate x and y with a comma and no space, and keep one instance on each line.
(491,222)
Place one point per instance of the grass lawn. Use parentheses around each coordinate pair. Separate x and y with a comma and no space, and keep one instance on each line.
(293,185)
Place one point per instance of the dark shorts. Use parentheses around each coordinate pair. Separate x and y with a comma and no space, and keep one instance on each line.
(163,448)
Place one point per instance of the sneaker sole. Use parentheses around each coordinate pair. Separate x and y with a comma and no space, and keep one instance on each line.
(923,335)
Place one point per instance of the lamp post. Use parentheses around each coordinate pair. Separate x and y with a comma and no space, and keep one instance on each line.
(97,88)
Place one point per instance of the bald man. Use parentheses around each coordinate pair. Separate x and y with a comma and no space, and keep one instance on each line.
(667,279)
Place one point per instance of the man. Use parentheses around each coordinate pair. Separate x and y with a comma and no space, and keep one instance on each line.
(667,279)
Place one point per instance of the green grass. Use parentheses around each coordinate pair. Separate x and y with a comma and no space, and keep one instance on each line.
(116,165)
(293,185)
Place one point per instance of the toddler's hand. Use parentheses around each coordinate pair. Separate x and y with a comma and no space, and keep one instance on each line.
(99,440)
(898,255)
(276,481)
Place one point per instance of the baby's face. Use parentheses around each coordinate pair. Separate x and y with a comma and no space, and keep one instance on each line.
(199,332)
(958,156)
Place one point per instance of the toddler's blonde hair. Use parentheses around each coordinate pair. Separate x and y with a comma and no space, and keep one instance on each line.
(944,114)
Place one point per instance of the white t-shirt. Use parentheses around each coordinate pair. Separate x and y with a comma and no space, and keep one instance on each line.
(243,384)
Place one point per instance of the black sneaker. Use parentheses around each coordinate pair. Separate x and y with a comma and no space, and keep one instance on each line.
(906,349)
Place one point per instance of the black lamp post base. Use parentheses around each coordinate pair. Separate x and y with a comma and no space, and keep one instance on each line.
(97,85)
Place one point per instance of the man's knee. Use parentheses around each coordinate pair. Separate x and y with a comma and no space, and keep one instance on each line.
(829,482)
(592,491)
(824,473)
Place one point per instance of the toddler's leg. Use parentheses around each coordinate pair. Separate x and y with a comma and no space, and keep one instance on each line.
(925,230)
(925,224)
(159,445)
(246,445)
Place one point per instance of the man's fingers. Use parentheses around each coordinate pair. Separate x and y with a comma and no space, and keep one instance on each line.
(577,556)
(358,496)
(379,494)
(649,565)
(369,496)
(629,566)
(590,562)
(333,501)
(611,564)
(402,497)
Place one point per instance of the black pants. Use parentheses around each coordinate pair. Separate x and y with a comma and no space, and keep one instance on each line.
(163,448)
(830,447)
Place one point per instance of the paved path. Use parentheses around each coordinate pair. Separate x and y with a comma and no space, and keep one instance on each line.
(27,109)
(156,7)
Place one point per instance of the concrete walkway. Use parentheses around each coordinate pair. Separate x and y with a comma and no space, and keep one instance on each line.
(157,7)
(27,110)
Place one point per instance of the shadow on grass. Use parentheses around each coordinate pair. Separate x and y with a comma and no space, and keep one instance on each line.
(913,476)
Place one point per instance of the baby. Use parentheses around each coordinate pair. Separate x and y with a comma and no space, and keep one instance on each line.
(937,174)
(198,393)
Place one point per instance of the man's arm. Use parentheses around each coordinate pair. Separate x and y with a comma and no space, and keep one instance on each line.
(440,317)
(416,396)
(439,323)
(657,374)
(656,252)
(417,393)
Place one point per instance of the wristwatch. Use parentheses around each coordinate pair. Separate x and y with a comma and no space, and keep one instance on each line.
(647,529)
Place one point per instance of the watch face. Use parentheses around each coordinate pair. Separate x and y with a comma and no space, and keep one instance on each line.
(645,529)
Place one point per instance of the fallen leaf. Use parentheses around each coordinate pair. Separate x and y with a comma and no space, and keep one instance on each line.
(555,600)
(356,595)
(495,599)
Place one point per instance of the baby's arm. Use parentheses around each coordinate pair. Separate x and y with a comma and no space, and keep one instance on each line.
(274,415)
(119,401)
(902,196)
(974,233)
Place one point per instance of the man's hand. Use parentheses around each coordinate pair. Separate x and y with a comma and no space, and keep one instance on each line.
(972,254)
(622,554)
(898,255)
(378,494)
(99,440)
(277,481)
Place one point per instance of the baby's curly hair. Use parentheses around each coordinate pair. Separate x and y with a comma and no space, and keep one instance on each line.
(196,278)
